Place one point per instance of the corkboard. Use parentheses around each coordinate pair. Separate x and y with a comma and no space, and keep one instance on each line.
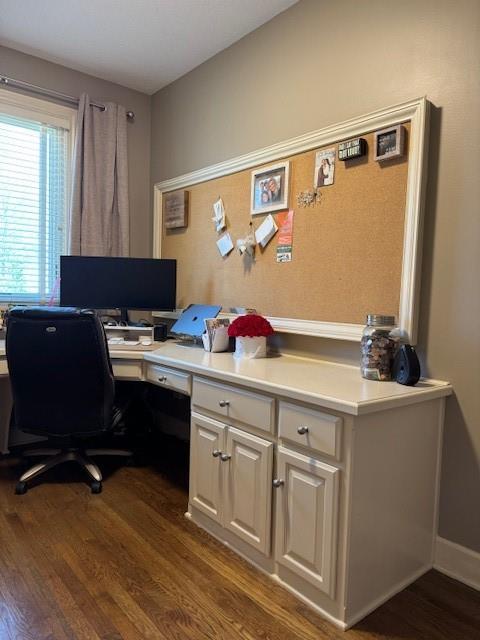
(347,250)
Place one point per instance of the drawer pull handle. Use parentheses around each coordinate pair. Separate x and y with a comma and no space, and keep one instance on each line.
(224,403)
(162,379)
(216,453)
(278,483)
(302,430)
(225,456)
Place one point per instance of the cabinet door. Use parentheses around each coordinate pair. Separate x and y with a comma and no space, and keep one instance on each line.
(248,488)
(207,441)
(306,518)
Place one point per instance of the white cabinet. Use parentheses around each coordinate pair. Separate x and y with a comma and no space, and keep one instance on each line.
(317,497)
(306,518)
(248,495)
(207,441)
(231,479)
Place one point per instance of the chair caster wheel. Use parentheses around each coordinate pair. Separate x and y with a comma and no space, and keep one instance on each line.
(21,488)
(96,487)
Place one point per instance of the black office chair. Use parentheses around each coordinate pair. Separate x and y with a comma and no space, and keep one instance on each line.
(62,384)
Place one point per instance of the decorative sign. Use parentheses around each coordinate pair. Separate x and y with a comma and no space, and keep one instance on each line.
(389,143)
(352,149)
(175,209)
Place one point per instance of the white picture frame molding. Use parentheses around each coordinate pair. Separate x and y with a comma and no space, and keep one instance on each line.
(414,111)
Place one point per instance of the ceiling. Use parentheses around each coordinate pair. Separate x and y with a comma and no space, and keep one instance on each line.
(141,44)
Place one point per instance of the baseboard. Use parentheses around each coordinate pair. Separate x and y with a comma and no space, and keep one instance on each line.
(353,619)
(317,608)
(457,562)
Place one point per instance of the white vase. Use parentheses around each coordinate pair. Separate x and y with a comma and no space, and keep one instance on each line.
(246,347)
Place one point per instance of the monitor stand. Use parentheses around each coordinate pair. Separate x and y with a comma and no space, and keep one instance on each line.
(125,321)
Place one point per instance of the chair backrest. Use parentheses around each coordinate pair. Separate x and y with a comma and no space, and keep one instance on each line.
(60,371)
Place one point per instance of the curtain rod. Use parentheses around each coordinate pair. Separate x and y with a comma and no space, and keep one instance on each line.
(20,84)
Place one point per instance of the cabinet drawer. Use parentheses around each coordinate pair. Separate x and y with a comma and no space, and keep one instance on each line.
(127,369)
(169,378)
(234,404)
(313,429)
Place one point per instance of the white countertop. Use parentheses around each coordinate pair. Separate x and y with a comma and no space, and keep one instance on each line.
(334,386)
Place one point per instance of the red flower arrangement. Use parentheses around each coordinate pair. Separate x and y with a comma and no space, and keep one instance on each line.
(251,326)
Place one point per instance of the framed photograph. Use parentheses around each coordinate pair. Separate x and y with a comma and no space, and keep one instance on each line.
(175,209)
(324,167)
(389,143)
(270,188)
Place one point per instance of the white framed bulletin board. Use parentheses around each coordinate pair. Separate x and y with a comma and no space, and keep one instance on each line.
(357,251)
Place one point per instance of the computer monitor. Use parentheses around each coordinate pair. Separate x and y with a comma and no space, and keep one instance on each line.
(118,283)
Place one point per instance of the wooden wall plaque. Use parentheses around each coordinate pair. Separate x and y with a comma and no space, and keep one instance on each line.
(175,212)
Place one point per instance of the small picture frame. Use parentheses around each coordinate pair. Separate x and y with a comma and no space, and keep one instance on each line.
(389,143)
(175,209)
(269,190)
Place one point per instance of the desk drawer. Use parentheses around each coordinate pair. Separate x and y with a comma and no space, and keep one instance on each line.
(169,378)
(313,429)
(234,404)
(127,369)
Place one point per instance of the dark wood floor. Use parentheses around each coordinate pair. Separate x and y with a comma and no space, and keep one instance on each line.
(126,564)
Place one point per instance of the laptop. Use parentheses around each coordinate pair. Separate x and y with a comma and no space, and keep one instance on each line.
(191,322)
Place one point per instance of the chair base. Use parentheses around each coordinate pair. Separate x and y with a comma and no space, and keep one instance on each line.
(82,456)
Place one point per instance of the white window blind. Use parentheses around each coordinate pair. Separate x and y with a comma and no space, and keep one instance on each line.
(34,193)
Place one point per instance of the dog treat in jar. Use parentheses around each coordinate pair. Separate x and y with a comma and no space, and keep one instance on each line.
(379,345)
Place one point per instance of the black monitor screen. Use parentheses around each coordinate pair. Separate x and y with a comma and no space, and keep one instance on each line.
(111,283)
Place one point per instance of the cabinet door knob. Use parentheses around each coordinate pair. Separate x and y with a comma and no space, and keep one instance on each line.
(225,456)
(302,430)
(162,379)
(224,403)
(216,453)
(278,483)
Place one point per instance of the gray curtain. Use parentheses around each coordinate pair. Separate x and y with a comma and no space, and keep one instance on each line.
(99,219)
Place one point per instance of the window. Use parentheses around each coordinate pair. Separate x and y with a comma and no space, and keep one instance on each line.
(35,168)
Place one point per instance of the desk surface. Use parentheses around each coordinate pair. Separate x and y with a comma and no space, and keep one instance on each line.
(334,386)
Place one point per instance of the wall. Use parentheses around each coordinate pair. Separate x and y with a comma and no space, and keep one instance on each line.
(319,63)
(53,76)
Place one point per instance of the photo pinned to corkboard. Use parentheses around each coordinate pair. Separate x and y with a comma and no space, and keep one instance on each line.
(324,167)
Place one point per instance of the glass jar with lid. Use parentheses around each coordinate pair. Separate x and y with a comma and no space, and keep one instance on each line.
(379,344)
